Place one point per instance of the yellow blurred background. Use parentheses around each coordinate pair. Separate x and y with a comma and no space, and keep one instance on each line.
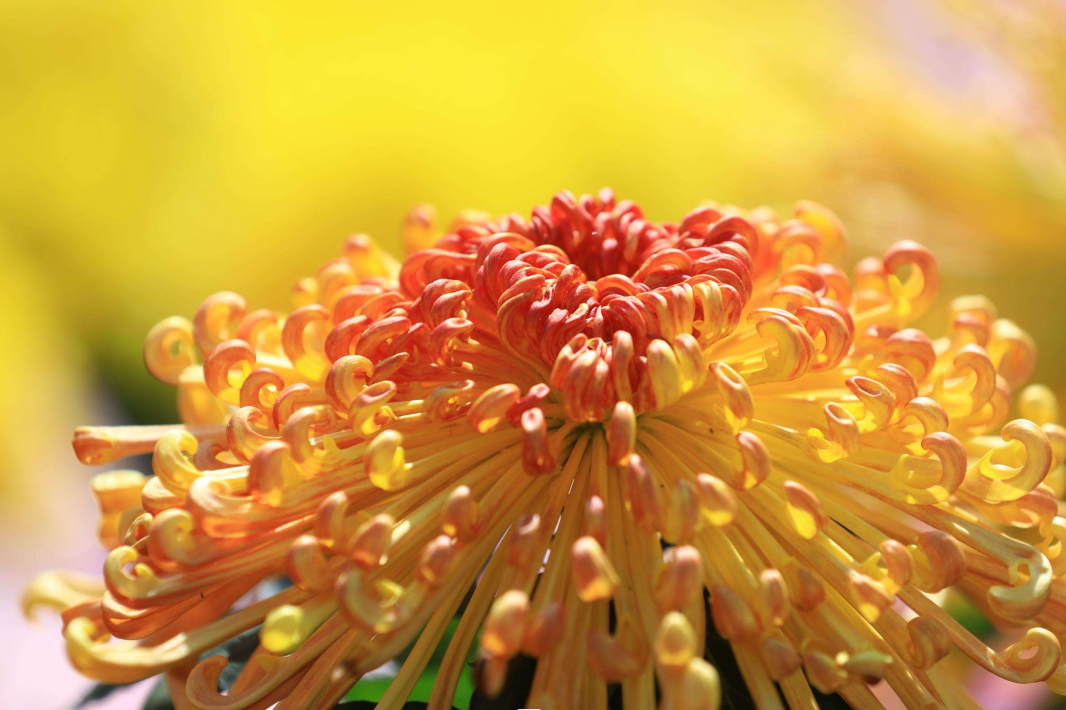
(154,153)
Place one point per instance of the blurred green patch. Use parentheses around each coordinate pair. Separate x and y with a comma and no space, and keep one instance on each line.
(964,611)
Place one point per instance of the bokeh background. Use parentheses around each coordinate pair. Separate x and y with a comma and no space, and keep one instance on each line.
(153,153)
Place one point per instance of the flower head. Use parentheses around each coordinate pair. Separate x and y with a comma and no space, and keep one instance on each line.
(598,423)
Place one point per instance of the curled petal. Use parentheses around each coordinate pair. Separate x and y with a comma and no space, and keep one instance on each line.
(531,399)
(1032,659)
(680,580)
(773,604)
(330,525)
(350,301)
(260,390)
(868,664)
(242,435)
(272,473)
(374,341)
(259,329)
(843,435)
(699,688)
(490,408)
(794,352)
(836,332)
(346,379)
(370,544)
(383,614)
(217,316)
(939,561)
(384,305)
(522,543)
(622,354)
(923,480)
(664,373)
(443,299)
(59,590)
(975,359)
(1038,404)
(780,657)
(928,642)
(305,423)
(877,400)
(596,519)
(913,350)
(536,456)
(754,461)
(898,565)
(385,464)
(459,516)
(128,575)
(621,434)
(505,625)
(683,517)
(1030,575)
(289,400)
(869,598)
(435,561)
(342,340)
(929,414)
(739,406)
(444,337)
(172,460)
(826,223)
(899,380)
(804,510)
(675,641)
(118,491)
(170,538)
(642,494)
(306,565)
(295,338)
(333,277)
(797,243)
(805,587)
(717,500)
(1009,472)
(449,401)
(823,670)
(368,412)
(286,627)
(594,575)
(692,371)
(169,349)
(1013,352)
(919,291)
(219,369)
(732,616)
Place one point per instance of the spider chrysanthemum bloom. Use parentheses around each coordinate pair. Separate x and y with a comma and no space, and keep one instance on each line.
(609,429)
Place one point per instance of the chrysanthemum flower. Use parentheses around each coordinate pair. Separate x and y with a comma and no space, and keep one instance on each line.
(608,429)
